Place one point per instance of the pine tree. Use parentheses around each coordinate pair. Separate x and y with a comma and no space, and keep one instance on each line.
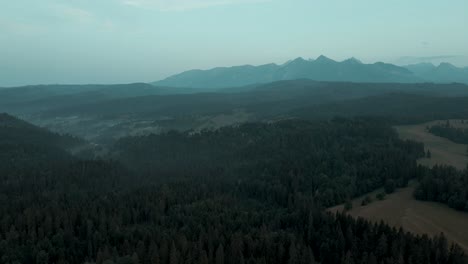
(220,255)
(174,254)
(203,257)
(382,245)
(293,254)
(135,258)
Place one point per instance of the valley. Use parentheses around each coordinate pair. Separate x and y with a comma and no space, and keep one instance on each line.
(267,158)
(215,132)
(105,113)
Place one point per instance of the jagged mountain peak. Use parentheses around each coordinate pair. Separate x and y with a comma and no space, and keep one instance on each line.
(323,58)
(320,69)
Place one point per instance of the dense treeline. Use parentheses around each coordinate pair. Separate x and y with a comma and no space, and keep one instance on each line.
(398,107)
(232,196)
(455,134)
(178,224)
(330,160)
(444,184)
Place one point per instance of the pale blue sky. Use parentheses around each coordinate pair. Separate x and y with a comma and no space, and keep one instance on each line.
(120,41)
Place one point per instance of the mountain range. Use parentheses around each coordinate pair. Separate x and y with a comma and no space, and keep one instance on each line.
(444,73)
(320,69)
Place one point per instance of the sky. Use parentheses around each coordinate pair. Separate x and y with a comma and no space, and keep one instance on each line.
(124,41)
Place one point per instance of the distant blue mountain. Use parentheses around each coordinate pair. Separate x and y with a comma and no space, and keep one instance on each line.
(320,69)
(444,73)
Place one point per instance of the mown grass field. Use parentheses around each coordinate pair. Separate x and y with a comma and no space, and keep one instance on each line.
(400,209)
(443,151)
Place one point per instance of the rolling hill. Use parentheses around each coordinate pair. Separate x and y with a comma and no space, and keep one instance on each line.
(403,108)
(40,97)
(22,133)
(100,116)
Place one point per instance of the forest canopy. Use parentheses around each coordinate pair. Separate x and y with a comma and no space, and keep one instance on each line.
(252,193)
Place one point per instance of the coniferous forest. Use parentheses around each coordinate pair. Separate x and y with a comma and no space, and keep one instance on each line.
(252,193)
(233,132)
(444,184)
(457,135)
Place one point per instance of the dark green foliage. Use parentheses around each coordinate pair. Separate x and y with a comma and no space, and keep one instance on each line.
(398,107)
(329,160)
(380,196)
(444,184)
(389,186)
(17,131)
(200,199)
(367,200)
(457,135)
(348,205)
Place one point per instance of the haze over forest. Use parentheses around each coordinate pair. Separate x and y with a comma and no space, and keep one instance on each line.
(233,132)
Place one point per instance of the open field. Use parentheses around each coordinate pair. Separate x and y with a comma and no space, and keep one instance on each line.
(443,151)
(400,209)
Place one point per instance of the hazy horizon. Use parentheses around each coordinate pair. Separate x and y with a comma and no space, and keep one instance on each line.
(125,41)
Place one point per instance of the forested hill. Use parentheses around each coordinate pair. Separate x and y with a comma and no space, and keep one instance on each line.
(246,194)
(17,131)
(266,100)
(34,160)
(35,98)
(332,160)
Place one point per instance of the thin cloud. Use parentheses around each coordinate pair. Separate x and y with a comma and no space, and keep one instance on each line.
(181,5)
(82,16)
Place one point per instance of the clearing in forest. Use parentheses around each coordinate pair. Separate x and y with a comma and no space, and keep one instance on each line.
(400,209)
(443,151)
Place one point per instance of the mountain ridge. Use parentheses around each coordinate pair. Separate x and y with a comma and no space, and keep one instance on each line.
(443,73)
(320,69)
